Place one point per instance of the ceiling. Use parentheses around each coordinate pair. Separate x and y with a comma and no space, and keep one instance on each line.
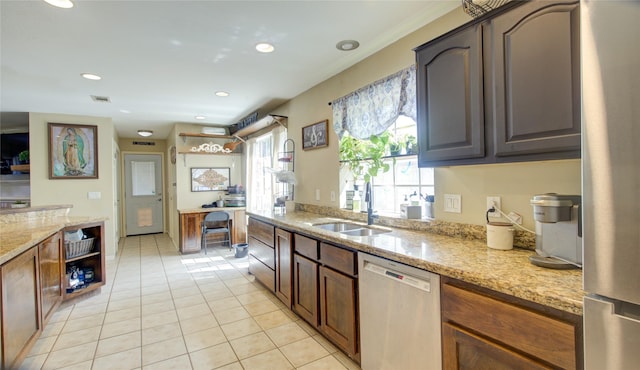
(162,61)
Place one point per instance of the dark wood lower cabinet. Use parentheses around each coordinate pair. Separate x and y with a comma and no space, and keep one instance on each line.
(50,255)
(465,350)
(338,316)
(305,289)
(283,252)
(483,329)
(21,320)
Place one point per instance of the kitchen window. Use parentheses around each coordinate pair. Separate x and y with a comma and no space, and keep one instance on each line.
(261,157)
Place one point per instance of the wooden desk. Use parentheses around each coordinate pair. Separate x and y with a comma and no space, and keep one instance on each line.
(191,233)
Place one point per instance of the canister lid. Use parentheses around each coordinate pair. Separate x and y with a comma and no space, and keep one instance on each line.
(555,200)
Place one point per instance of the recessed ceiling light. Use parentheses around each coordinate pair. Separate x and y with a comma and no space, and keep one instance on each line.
(126,111)
(200,117)
(222,93)
(346,45)
(265,47)
(145,133)
(60,3)
(91,76)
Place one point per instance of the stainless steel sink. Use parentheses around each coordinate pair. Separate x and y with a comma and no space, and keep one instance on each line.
(365,231)
(348,228)
(338,226)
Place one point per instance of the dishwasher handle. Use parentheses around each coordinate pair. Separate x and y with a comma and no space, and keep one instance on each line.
(397,276)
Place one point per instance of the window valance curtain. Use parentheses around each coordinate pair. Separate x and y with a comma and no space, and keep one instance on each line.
(372,109)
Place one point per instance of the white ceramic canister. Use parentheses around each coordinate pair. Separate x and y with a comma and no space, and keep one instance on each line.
(500,235)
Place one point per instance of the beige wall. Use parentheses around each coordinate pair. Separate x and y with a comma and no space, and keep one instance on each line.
(71,191)
(319,169)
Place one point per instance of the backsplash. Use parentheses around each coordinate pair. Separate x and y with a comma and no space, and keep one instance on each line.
(522,239)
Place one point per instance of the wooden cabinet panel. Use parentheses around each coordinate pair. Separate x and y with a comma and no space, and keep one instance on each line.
(263,252)
(536,334)
(191,232)
(50,258)
(307,247)
(450,98)
(338,258)
(534,67)
(21,323)
(464,350)
(261,231)
(284,254)
(239,227)
(338,316)
(262,272)
(305,288)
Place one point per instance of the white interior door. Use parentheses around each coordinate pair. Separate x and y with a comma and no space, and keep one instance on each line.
(143,193)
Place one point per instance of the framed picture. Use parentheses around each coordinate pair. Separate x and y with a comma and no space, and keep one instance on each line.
(73,151)
(210,179)
(315,136)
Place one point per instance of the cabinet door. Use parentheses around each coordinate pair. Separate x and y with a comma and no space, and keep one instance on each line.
(239,227)
(338,309)
(283,252)
(190,232)
(450,98)
(464,350)
(305,289)
(50,256)
(20,306)
(533,66)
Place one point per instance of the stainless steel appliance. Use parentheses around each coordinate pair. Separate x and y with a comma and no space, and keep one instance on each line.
(611,182)
(558,230)
(399,316)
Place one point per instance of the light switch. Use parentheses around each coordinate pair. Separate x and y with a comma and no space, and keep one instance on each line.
(94,195)
(453,203)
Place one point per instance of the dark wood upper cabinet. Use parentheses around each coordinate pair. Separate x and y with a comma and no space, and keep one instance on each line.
(533,65)
(450,98)
(502,88)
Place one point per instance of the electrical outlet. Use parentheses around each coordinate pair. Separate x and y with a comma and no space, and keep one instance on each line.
(333,196)
(453,203)
(317,194)
(515,217)
(491,202)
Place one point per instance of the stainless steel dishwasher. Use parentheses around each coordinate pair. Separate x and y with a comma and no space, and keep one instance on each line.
(399,316)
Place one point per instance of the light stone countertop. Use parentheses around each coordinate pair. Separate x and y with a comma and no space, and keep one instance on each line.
(18,237)
(508,272)
(212,209)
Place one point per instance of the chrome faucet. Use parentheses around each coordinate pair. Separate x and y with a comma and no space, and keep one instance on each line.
(368,198)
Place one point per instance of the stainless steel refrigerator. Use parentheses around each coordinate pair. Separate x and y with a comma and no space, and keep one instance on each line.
(610,50)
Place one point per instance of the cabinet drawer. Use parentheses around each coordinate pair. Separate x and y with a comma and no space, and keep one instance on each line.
(262,273)
(337,258)
(541,336)
(262,252)
(261,231)
(306,246)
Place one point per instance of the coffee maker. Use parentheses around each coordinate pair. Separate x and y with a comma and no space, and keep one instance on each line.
(558,231)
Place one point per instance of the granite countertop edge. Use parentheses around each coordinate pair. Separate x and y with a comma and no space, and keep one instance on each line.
(16,238)
(508,272)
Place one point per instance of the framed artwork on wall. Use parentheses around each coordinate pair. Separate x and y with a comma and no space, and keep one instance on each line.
(73,151)
(315,136)
(210,178)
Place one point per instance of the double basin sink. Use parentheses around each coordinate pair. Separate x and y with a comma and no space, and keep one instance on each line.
(348,228)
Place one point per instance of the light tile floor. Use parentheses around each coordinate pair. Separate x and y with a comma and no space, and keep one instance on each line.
(163,310)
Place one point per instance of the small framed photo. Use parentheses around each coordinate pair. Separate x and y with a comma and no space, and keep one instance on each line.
(73,151)
(315,136)
(210,178)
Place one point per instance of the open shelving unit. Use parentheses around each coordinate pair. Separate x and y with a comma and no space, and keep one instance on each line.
(94,259)
(285,190)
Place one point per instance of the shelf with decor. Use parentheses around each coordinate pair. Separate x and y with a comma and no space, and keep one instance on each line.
(260,124)
(83,259)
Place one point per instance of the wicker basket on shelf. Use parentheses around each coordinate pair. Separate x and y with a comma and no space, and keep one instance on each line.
(78,248)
